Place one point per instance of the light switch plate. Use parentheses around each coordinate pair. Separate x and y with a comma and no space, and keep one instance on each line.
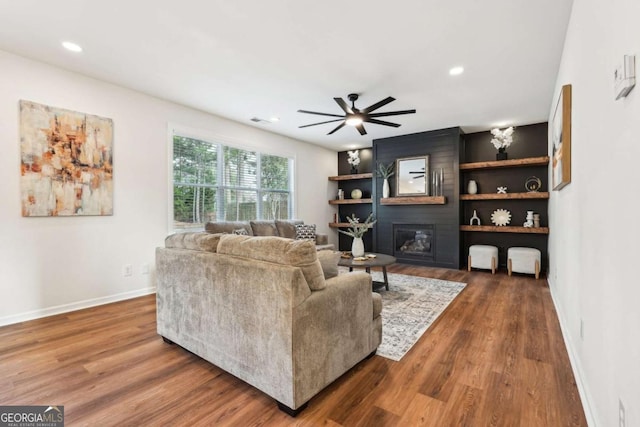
(625,76)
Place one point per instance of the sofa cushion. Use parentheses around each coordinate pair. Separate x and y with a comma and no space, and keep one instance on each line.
(306,232)
(287,228)
(264,228)
(227,227)
(277,250)
(200,241)
(329,262)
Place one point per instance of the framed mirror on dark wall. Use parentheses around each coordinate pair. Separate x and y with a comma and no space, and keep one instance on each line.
(412,173)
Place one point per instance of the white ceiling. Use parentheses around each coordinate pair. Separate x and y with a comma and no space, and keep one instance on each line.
(248,58)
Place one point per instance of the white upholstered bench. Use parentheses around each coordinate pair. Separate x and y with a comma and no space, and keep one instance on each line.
(523,260)
(483,256)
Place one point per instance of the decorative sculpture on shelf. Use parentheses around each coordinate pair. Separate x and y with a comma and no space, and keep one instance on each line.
(532,184)
(502,190)
(529,222)
(501,217)
(475,218)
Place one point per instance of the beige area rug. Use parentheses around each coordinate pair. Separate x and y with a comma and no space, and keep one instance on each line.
(409,307)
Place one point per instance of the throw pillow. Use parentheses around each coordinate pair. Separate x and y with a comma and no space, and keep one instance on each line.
(329,263)
(240,232)
(305,232)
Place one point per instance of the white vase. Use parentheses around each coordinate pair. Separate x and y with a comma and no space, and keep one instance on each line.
(357,247)
(472,187)
(385,188)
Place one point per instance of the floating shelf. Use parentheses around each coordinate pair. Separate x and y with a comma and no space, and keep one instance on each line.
(508,196)
(349,201)
(350,177)
(414,200)
(529,161)
(506,229)
(343,225)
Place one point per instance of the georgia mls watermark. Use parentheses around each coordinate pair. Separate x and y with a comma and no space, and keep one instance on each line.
(31,416)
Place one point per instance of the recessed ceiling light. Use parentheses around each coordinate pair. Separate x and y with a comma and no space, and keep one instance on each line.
(73,47)
(456,71)
(500,124)
(274,119)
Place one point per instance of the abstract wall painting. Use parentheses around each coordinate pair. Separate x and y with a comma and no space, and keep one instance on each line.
(561,140)
(66,162)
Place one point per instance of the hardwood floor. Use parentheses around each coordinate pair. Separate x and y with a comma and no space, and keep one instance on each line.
(495,357)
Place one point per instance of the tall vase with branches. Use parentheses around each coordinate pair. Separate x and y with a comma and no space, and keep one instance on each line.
(385,171)
(356,230)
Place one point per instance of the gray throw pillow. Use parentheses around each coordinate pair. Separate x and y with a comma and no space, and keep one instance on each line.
(329,263)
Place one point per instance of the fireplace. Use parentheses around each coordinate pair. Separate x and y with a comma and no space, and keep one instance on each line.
(414,241)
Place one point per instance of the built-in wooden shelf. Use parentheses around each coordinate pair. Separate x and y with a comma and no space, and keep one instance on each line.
(349,201)
(508,196)
(505,229)
(414,200)
(529,161)
(350,177)
(343,225)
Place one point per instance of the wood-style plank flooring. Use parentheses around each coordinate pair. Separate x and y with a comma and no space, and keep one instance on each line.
(495,357)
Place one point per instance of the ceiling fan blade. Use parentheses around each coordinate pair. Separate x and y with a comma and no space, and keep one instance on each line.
(338,127)
(361,129)
(378,104)
(381,122)
(321,123)
(392,113)
(345,107)
(320,114)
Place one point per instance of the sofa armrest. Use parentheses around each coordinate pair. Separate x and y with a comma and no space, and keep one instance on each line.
(322,239)
(334,329)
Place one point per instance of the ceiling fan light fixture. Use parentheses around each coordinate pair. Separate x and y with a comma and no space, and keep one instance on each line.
(356,117)
(354,120)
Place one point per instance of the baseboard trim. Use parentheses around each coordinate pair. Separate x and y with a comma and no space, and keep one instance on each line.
(65,308)
(576,367)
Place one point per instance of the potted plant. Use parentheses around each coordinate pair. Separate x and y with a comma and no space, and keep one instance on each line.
(356,230)
(354,160)
(502,139)
(384,172)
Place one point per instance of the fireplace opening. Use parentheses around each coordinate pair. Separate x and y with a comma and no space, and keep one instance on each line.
(413,241)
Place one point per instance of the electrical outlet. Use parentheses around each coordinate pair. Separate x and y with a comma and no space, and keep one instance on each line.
(127,270)
(144,269)
(582,329)
(622,416)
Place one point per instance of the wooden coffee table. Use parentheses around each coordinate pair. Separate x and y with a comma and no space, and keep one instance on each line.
(380,260)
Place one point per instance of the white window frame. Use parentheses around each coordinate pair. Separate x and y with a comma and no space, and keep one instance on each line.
(222,141)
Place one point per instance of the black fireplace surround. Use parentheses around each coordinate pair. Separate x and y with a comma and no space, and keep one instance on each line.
(417,233)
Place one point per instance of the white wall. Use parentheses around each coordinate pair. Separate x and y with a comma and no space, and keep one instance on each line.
(49,265)
(594,221)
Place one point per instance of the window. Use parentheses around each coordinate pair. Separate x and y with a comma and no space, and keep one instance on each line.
(215,182)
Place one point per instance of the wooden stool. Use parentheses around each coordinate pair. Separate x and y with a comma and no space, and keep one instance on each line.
(524,260)
(483,256)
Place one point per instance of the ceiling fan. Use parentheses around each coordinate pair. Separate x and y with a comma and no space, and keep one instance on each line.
(356,117)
